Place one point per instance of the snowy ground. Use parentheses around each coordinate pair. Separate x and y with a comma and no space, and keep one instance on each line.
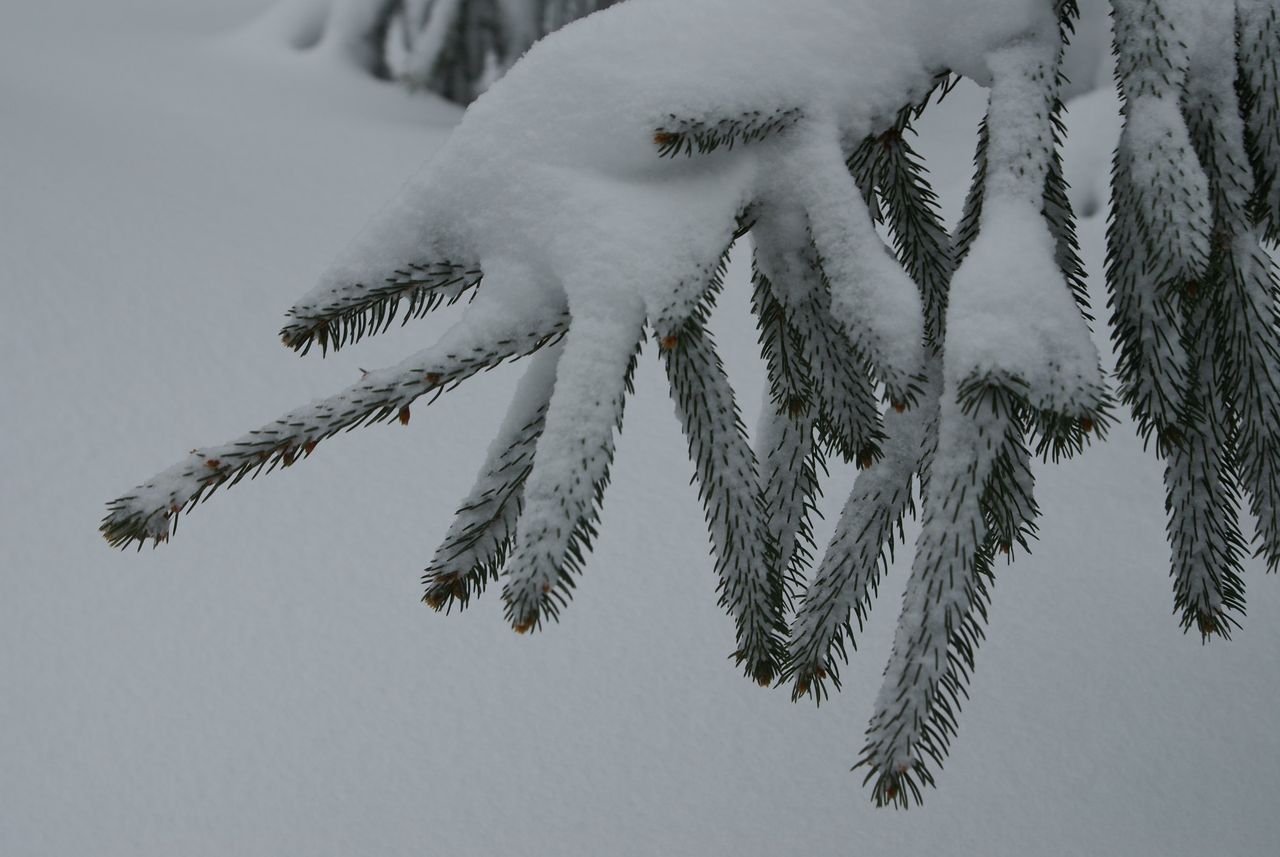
(269,683)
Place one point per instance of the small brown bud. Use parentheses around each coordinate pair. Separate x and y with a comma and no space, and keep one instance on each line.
(309,447)
(433,378)
(801,688)
(1086,425)
(523,627)
(404,415)
(212,463)
(898,406)
(795,407)
(435,599)
(668,343)
(663,139)
(287,457)
(546,587)
(866,458)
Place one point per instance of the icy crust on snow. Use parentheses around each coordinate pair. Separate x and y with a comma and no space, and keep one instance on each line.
(556,165)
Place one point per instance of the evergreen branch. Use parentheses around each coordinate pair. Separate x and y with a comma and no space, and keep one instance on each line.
(1258,37)
(1241,284)
(152,509)
(1145,320)
(1168,186)
(679,135)
(971,214)
(863,543)
(792,459)
(1202,498)
(565,489)
(920,238)
(344,314)
(872,298)
(943,608)
(860,550)
(751,583)
(1008,499)
(1060,215)
(484,529)
(848,413)
(669,311)
(789,386)
(790,462)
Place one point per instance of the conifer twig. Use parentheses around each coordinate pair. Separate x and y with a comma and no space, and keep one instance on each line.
(484,529)
(151,510)
(334,316)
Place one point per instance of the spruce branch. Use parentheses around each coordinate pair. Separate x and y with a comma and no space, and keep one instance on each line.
(1258,37)
(679,135)
(780,347)
(848,413)
(334,316)
(484,529)
(565,487)
(791,459)
(915,223)
(1057,209)
(1242,284)
(1203,497)
(872,298)
(944,605)
(751,583)
(1168,186)
(871,522)
(1145,320)
(859,553)
(151,510)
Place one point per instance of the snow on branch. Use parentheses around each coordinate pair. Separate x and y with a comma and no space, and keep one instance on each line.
(332,316)
(563,186)
(151,510)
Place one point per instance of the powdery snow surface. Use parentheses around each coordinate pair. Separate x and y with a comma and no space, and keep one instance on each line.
(269,682)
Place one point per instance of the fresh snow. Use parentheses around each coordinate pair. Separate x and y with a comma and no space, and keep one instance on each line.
(269,683)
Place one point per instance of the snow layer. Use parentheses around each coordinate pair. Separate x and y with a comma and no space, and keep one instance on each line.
(269,683)
(556,167)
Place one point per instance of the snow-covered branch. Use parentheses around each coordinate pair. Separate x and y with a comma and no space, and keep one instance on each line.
(589,197)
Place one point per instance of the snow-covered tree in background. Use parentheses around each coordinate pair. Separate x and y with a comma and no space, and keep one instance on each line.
(456,48)
(587,203)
